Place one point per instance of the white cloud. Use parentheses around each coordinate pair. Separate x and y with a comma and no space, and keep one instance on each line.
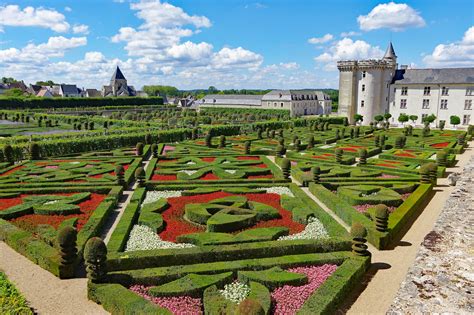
(190,51)
(31,53)
(320,40)
(394,16)
(347,49)
(236,57)
(13,15)
(458,54)
(80,29)
(67,9)
(350,34)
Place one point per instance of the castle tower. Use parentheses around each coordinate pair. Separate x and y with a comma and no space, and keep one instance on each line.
(117,81)
(364,86)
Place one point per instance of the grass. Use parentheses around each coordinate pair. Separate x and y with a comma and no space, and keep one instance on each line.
(11,300)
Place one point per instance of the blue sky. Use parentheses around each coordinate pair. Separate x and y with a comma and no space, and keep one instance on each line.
(228,44)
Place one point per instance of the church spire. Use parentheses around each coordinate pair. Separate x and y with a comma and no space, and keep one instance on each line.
(390,53)
(118,75)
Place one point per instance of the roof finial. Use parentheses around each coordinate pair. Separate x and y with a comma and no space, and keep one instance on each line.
(390,52)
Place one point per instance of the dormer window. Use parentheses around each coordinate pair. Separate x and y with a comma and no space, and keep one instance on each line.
(214,100)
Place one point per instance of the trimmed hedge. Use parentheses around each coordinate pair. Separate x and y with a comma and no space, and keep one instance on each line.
(38,102)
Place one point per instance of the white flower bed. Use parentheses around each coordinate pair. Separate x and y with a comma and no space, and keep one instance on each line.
(188,172)
(313,230)
(231,171)
(278,190)
(75,162)
(191,163)
(144,238)
(235,292)
(152,196)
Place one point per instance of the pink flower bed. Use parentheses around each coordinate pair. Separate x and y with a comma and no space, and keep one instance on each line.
(388,176)
(54,167)
(178,305)
(168,148)
(365,207)
(289,299)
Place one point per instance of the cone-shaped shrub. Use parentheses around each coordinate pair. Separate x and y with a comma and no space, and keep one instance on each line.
(34,151)
(337,135)
(381,218)
(66,241)
(398,142)
(280,133)
(286,168)
(377,140)
(280,151)
(95,258)
(194,133)
(222,141)
(462,139)
(297,145)
(294,139)
(139,148)
(339,152)
(362,156)
(382,140)
(425,174)
(154,150)
(442,158)
(351,133)
(140,176)
(148,139)
(119,173)
(208,140)
(247,147)
(356,132)
(359,234)
(433,172)
(259,133)
(310,142)
(8,153)
(316,170)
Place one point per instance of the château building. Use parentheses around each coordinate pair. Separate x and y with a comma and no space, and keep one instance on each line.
(376,87)
(118,86)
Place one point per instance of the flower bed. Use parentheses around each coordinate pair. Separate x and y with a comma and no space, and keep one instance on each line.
(289,299)
(440,145)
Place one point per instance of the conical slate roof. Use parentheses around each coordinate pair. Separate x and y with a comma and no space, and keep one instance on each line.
(390,53)
(118,75)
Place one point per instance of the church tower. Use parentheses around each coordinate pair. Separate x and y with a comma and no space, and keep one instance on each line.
(118,81)
(364,86)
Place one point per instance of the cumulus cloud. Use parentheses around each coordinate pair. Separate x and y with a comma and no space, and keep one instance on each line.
(67,9)
(80,29)
(13,15)
(236,57)
(394,16)
(458,54)
(31,53)
(348,49)
(321,40)
(350,34)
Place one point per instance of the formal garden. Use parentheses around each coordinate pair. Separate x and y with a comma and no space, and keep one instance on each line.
(268,217)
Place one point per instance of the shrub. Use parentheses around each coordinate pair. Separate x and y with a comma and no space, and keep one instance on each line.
(316,170)
(8,153)
(337,135)
(399,142)
(148,139)
(310,142)
(358,230)
(34,151)
(66,240)
(140,176)
(154,150)
(339,152)
(208,140)
(139,148)
(280,151)
(297,145)
(119,173)
(222,141)
(362,156)
(442,124)
(95,257)
(281,141)
(381,218)
(432,171)
(425,174)
(359,234)
(442,158)
(286,168)
(259,133)
(377,140)
(356,132)
(462,139)
(194,133)
(247,147)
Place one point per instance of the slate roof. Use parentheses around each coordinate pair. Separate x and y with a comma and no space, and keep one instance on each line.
(93,93)
(118,75)
(390,52)
(434,76)
(69,89)
(232,99)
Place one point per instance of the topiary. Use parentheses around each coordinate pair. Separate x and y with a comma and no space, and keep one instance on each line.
(194,133)
(297,145)
(34,151)
(148,139)
(442,158)
(222,141)
(286,168)
(139,149)
(119,173)
(377,140)
(310,142)
(8,154)
(359,234)
(433,172)
(356,132)
(362,156)
(337,136)
(316,170)
(208,140)
(462,139)
(281,141)
(382,140)
(425,174)
(381,218)
(95,257)
(66,241)
(339,152)
(351,133)
(272,134)
(140,176)
(250,307)
(247,147)
(280,151)
(259,133)
(154,150)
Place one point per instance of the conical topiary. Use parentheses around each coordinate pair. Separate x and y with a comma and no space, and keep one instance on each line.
(139,148)
(381,218)
(119,173)
(286,168)
(95,258)
(34,151)
(247,147)
(425,174)
(339,152)
(362,156)
(222,141)
(310,142)
(140,176)
(66,241)
(359,234)
(154,150)
(442,158)
(316,170)
(280,151)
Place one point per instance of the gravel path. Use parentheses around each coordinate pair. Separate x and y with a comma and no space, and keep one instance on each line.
(442,277)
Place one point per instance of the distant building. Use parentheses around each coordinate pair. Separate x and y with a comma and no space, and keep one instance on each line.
(298,102)
(376,87)
(118,86)
(18,85)
(93,93)
(3,88)
(44,92)
(34,89)
(69,90)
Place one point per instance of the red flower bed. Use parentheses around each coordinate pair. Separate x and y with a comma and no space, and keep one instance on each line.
(164,177)
(101,175)
(404,154)
(176,225)
(247,158)
(29,222)
(319,157)
(349,149)
(440,145)
(200,142)
(260,176)
(6,203)
(262,165)
(208,159)
(209,176)
(386,165)
(13,170)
